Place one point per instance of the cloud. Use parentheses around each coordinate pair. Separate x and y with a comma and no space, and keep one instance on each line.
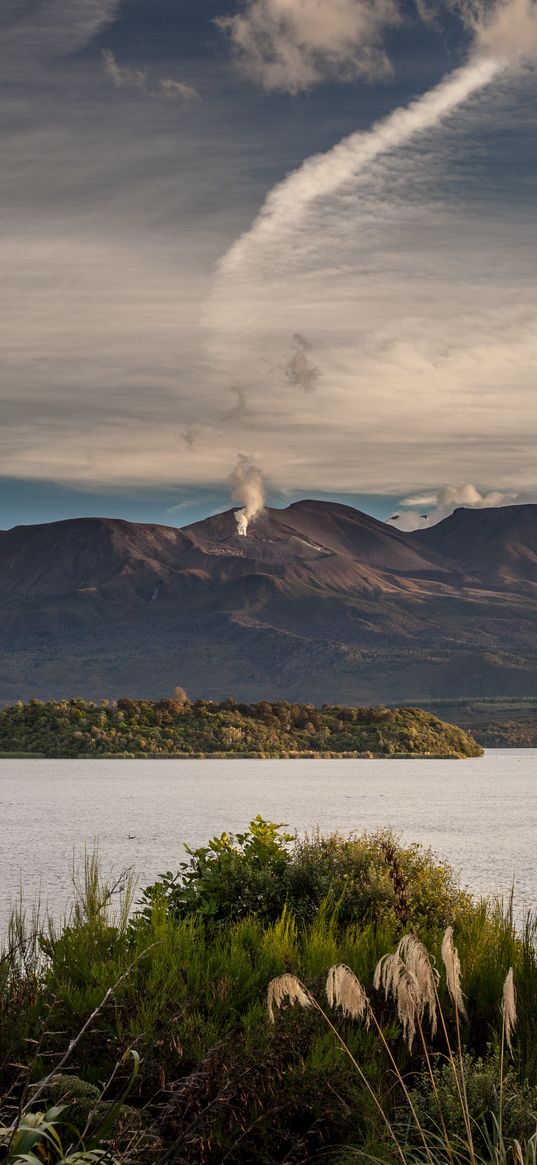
(300,372)
(240,408)
(190,437)
(408,251)
(57,27)
(122,77)
(414,274)
(291,45)
(506,29)
(178,90)
(128,78)
(449,498)
(324,175)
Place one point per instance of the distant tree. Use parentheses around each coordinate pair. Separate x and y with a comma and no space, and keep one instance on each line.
(180,696)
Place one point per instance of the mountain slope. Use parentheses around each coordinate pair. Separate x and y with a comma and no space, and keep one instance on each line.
(318,602)
(497,545)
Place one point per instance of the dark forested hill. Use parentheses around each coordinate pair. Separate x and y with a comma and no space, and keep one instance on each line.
(179,727)
(318,602)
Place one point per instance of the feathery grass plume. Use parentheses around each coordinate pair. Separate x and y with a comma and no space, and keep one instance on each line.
(416,958)
(344,990)
(396,980)
(286,987)
(450,958)
(509,1008)
(519,1156)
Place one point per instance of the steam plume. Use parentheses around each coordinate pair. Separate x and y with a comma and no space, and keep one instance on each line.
(247,486)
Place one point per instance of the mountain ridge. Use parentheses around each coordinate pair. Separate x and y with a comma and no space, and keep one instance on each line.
(318,602)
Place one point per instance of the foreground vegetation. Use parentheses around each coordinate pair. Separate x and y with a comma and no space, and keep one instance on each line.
(178,727)
(152,1027)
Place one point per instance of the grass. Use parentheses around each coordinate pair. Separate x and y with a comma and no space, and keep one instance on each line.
(185,992)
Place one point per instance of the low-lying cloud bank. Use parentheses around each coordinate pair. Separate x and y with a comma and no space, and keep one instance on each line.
(434,507)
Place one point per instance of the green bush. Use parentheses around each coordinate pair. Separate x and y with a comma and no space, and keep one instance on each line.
(264,870)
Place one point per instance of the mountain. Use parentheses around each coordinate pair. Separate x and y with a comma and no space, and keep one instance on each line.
(497,545)
(318,602)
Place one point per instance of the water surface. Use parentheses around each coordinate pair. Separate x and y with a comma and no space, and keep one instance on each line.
(479,814)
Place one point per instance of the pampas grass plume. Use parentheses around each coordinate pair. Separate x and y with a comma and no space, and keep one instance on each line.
(416,958)
(344,990)
(286,988)
(509,1008)
(450,958)
(395,979)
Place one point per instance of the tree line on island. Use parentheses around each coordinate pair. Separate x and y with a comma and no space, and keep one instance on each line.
(180,727)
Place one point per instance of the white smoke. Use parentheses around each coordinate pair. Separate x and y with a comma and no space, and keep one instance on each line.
(247,486)
(434,507)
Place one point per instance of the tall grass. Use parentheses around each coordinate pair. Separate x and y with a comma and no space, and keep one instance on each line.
(217,1082)
(410,979)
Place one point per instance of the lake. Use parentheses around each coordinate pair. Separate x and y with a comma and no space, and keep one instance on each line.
(480,815)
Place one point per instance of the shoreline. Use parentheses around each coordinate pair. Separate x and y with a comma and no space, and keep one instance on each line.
(245,756)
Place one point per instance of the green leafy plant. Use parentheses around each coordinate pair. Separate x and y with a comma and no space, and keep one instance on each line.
(36,1138)
(263,871)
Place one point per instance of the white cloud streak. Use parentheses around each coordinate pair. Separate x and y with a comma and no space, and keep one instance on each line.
(57,27)
(121,76)
(325,175)
(125,77)
(291,45)
(178,90)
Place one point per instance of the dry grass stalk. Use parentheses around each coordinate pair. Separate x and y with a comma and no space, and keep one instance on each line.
(286,988)
(519,1155)
(344,990)
(394,978)
(509,1008)
(416,958)
(450,958)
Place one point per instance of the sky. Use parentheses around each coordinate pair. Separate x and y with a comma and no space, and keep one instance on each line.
(300,232)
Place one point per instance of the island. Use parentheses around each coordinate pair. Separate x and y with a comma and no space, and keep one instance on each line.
(179,727)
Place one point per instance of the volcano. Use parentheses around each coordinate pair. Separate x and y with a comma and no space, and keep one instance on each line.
(318,602)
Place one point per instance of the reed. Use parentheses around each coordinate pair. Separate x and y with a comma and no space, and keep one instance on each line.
(409,978)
